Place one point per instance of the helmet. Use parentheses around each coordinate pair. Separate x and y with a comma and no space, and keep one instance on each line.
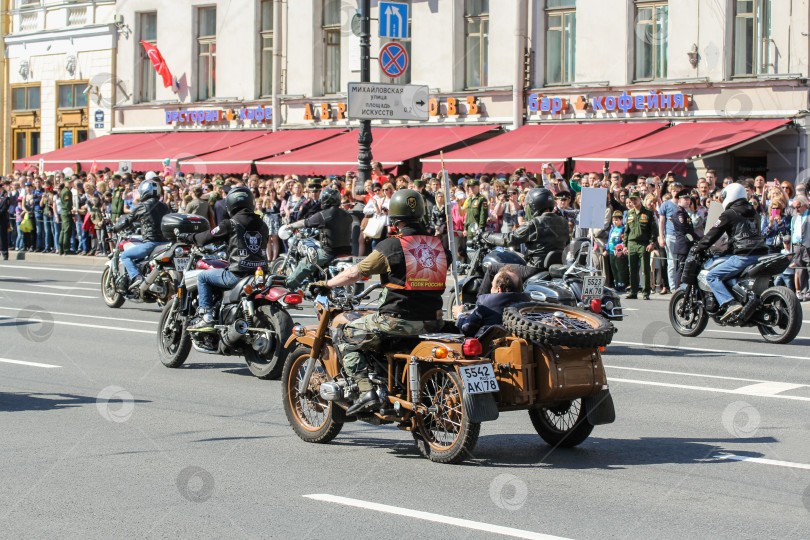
(149,189)
(539,200)
(68,172)
(406,205)
(237,199)
(731,193)
(329,197)
(150,175)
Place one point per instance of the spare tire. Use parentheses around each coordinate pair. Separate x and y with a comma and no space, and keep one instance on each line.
(558,325)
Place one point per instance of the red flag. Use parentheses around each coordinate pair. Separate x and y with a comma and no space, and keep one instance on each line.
(160,64)
(94,168)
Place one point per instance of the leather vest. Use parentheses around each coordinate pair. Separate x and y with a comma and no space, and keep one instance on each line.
(247,247)
(747,235)
(336,236)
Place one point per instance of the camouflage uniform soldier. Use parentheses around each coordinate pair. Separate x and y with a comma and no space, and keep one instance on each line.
(477,208)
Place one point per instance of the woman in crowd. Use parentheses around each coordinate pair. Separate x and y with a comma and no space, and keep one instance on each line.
(291,207)
(776,224)
(271,215)
(438,220)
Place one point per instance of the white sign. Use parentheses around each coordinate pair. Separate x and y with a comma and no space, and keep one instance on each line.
(393,20)
(124,167)
(355,63)
(378,101)
(41,165)
(592,208)
(715,209)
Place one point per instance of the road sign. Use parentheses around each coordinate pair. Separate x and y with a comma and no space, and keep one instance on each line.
(124,167)
(393,59)
(393,20)
(378,101)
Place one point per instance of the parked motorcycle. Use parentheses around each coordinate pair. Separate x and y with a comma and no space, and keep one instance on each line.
(301,244)
(253,318)
(775,311)
(545,359)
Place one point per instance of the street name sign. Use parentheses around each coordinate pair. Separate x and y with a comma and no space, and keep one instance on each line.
(379,101)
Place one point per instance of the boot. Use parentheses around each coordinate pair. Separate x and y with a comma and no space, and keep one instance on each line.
(368,396)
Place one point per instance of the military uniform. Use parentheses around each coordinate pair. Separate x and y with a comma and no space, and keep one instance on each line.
(477,210)
(640,231)
(117,206)
(66,217)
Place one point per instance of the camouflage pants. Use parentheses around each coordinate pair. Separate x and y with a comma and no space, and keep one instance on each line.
(366,333)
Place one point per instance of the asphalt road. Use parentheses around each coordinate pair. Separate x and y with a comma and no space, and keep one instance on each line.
(100,440)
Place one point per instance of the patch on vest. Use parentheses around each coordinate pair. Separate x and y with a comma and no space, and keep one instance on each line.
(425,262)
(253,241)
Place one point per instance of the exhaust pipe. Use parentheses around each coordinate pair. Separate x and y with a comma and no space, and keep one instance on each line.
(148,281)
(235,332)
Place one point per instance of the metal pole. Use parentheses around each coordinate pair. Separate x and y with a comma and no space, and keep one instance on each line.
(451,234)
(276,63)
(364,137)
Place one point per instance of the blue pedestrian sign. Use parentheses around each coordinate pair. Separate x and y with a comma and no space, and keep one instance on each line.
(393,60)
(393,20)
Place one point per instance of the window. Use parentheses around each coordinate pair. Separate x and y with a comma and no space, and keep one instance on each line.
(25,98)
(26,143)
(476,38)
(331,37)
(206,52)
(561,32)
(71,96)
(651,40)
(147,31)
(266,40)
(752,37)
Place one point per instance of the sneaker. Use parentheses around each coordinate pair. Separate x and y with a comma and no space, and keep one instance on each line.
(731,308)
(202,326)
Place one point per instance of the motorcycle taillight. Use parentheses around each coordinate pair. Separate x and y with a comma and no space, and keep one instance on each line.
(472,347)
(293,298)
(596,306)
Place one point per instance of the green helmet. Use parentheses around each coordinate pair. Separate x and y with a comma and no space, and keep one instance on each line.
(329,197)
(406,205)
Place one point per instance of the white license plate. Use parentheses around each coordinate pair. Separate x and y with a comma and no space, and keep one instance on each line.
(479,378)
(593,286)
(180,263)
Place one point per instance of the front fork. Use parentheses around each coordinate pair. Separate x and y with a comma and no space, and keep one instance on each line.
(323,324)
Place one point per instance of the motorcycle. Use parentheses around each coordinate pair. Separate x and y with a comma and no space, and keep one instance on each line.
(774,310)
(302,242)
(575,284)
(253,318)
(545,359)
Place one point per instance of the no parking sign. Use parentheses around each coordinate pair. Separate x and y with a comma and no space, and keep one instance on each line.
(393,59)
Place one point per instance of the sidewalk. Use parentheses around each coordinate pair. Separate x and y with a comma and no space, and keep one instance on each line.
(53,258)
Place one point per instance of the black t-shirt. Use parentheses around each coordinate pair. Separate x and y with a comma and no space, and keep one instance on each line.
(335,225)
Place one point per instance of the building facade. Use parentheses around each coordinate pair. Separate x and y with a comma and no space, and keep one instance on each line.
(282,64)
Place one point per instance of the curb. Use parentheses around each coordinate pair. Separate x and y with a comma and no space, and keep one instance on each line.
(52,258)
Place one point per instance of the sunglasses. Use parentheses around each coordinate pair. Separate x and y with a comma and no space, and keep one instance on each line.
(377,190)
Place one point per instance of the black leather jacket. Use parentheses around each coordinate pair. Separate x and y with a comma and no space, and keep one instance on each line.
(543,234)
(148,216)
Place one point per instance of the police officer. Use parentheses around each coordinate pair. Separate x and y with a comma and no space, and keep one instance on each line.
(117,204)
(335,225)
(684,231)
(413,267)
(640,235)
(547,231)
(477,208)
(312,205)
(66,218)
(147,214)
(741,222)
(247,237)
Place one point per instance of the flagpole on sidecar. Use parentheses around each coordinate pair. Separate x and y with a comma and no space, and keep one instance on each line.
(451,237)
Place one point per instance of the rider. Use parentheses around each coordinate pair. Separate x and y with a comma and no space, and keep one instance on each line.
(247,236)
(741,222)
(335,225)
(148,213)
(413,267)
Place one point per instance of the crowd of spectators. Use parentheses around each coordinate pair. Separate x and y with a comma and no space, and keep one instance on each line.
(33,203)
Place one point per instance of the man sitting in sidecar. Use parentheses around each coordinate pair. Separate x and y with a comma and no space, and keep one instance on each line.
(506,291)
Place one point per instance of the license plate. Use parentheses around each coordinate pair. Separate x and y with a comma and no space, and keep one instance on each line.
(478,379)
(180,263)
(593,286)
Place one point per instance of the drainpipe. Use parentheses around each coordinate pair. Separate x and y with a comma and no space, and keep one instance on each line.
(521,15)
(276,62)
(5,130)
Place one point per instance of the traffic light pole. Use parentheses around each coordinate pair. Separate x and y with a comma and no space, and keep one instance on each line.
(364,137)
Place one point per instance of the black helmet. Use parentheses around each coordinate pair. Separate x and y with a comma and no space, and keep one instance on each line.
(237,199)
(329,197)
(406,205)
(149,189)
(539,199)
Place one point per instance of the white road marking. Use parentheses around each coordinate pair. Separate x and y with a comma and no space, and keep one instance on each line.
(695,375)
(65,287)
(709,389)
(764,461)
(22,362)
(741,353)
(86,316)
(429,516)
(768,388)
(94,326)
(14,266)
(48,293)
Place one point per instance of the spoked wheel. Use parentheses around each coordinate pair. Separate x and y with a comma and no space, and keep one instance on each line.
(311,417)
(781,305)
(558,325)
(173,341)
(445,433)
(688,318)
(112,298)
(277,267)
(564,425)
(268,362)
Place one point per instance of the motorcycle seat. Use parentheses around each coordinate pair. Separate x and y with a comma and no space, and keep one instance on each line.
(157,250)
(231,295)
(392,342)
(557,270)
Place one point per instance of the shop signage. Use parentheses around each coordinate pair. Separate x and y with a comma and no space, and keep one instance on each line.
(325,111)
(453,107)
(625,103)
(250,114)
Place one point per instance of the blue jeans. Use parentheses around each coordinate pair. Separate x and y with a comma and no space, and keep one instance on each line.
(136,253)
(20,243)
(57,228)
(727,269)
(47,233)
(208,280)
(40,229)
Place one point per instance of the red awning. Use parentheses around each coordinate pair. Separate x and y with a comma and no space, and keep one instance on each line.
(532,145)
(391,147)
(673,148)
(86,152)
(238,159)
